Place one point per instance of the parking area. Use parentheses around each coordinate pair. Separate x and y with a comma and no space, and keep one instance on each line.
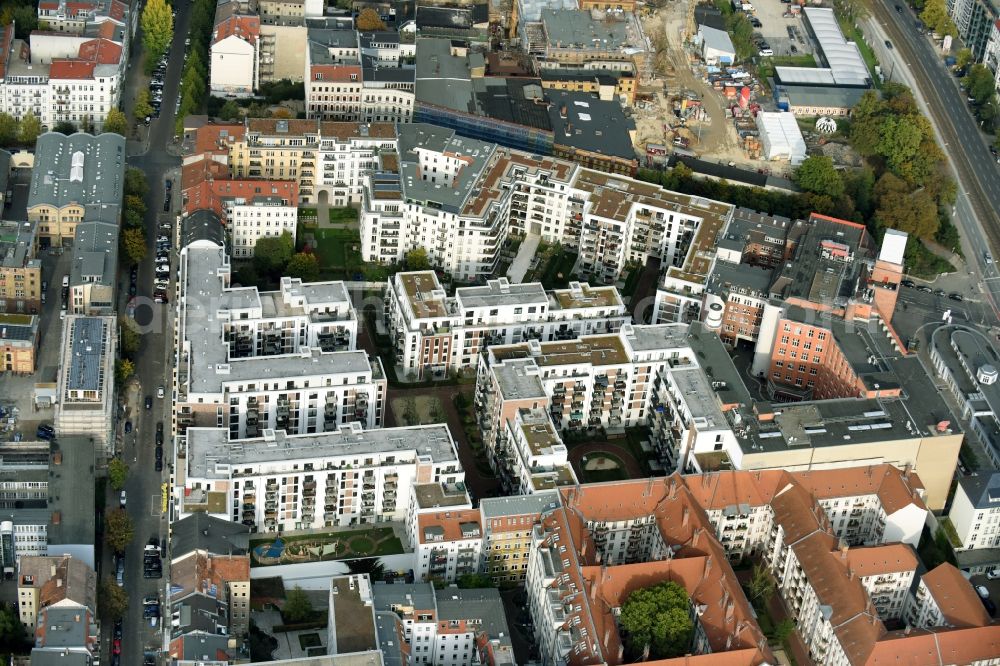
(992,588)
(18,391)
(786,35)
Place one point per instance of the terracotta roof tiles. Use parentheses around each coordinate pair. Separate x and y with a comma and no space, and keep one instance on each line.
(955,597)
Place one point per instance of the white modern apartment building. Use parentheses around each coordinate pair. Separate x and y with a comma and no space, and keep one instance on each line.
(72,72)
(280,481)
(434,333)
(328,159)
(359,77)
(459,199)
(530,455)
(249,221)
(234,56)
(251,361)
(86,383)
(975,511)
(446,543)
(594,381)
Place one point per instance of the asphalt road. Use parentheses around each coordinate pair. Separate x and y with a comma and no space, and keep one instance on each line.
(152,368)
(976,212)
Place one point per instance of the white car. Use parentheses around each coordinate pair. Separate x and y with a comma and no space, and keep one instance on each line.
(160,392)
(993,575)
(123,498)
(982,591)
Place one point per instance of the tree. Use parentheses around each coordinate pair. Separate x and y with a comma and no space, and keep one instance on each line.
(281,112)
(304,266)
(8,129)
(135,183)
(29,128)
(474,580)
(761,585)
(369,21)
(297,606)
(64,127)
(134,244)
(129,338)
(963,58)
(739,29)
(817,174)
(367,565)
(111,599)
(157,30)
(135,202)
(142,107)
(116,122)
(230,110)
(22,15)
(272,253)
(12,634)
(117,472)
(899,140)
(855,10)
(410,411)
(118,530)
(133,219)
(935,16)
(979,83)
(658,619)
(124,369)
(417,260)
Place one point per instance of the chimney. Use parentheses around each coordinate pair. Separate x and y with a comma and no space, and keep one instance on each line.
(843,551)
(697,533)
(563,111)
(673,487)
(684,520)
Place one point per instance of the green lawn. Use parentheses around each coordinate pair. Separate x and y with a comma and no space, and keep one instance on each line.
(556,274)
(343,215)
(337,251)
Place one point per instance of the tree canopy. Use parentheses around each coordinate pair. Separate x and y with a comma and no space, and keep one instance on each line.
(29,128)
(272,253)
(417,260)
(297,606)
(117,472)
(369,20)
(118,530)
(817,174)
(657,618)
(304,266)
(116,122)
(111,599)
(157,30)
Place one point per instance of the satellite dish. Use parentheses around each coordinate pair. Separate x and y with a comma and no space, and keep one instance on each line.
(826,125)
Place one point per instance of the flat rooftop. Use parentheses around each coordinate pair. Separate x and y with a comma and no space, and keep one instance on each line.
(17,239)
(518,378)
(88,337)
(424,293)
(211,454)
(353,614)
(497,293)
(207,306)
(519,505)
(582,295)
(431,495)
(541,436)
(595,350)
(71,491)
(652,337)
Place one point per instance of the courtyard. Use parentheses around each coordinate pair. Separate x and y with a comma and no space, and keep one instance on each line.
(325,546)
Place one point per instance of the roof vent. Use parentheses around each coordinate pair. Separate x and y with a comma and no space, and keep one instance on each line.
(986,375)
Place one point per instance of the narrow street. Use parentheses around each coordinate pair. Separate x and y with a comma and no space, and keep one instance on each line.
(143,486)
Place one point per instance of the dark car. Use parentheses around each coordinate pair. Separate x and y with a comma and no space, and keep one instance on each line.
(170,184)
(158,465)
(956,297)
(888,44)
(159,438)
(899,9)
(159,427)
(45,431)
(991,607)
(159,453)
(152,610)
(908,283)
(166,205)
(163,547)
(149,402)
(128,426)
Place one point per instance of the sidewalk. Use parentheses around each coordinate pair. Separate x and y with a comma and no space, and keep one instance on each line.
(522,262)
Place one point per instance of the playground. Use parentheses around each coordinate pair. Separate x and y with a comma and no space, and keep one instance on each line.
(325,547)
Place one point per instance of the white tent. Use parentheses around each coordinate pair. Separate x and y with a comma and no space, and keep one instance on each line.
(780,137)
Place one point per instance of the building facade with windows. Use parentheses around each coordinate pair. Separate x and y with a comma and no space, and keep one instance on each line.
(434,333)
(20,267)
(275,483)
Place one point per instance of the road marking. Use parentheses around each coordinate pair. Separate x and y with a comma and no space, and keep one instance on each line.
(154,508)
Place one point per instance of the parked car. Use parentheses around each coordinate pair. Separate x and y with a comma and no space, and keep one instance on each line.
(128,427)
(888,44)
(956,297)
(982,592)
(121,499)
(149,402)
(158,465)
(45,431)
(993,575)
(908,283)
(160,392)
